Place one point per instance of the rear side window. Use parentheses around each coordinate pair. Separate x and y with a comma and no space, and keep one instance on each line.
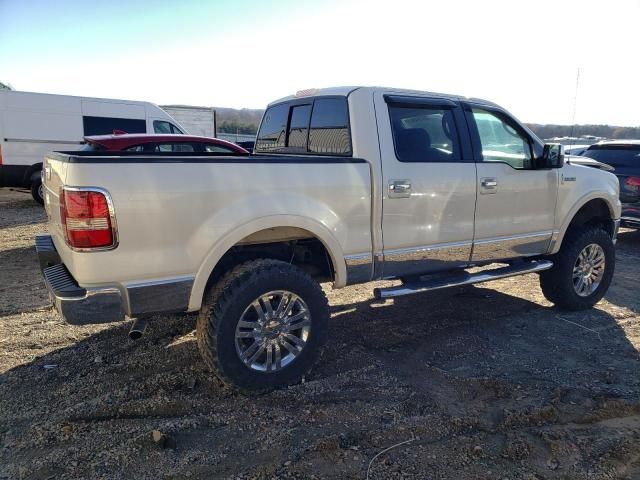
(106,125)
(615,155)
(160,126)
(424,134)
(319,127)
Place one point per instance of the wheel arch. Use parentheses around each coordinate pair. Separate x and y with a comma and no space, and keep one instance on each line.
(253,229)
(592,210)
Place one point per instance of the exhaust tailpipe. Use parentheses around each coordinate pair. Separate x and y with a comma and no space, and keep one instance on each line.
(137,328)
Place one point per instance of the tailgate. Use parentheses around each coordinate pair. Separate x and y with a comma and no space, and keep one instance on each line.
(54,172)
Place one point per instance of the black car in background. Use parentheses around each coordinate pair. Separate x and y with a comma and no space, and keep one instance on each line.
(624,156)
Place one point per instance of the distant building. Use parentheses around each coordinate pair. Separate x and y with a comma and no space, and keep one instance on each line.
(202,121)
(196,120)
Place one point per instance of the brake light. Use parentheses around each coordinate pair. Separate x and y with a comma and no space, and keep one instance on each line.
(87,219)
(0,154)
(633,181)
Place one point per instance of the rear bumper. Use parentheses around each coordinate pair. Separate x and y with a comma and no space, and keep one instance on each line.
(78,306)
(104,304)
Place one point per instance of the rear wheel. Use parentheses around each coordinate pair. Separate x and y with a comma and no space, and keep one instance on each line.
(37,190)
(263,325)
(582,270)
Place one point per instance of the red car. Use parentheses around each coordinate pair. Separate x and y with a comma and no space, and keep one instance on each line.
(149,143)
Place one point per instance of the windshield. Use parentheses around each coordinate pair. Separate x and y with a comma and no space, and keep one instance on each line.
(615,155)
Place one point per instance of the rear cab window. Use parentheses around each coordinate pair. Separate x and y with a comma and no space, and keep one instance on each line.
(316,126)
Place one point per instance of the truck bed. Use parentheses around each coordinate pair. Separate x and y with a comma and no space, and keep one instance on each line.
(175,212)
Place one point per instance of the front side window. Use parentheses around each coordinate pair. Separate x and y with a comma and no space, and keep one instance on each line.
(500,141)
(424,134)
(160,126)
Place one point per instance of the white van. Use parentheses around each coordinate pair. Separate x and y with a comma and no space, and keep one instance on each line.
(32,124)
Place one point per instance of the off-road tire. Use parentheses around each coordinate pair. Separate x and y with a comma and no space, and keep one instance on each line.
(557,282)
(222,309)
(36,191)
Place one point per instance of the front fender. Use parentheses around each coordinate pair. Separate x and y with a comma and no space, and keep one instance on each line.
(614,210)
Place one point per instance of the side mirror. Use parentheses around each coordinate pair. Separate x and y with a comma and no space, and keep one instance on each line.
(552,156)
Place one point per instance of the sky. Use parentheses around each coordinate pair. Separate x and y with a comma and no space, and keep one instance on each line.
(546,61)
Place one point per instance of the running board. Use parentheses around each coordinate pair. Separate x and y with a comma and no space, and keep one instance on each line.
(463,278)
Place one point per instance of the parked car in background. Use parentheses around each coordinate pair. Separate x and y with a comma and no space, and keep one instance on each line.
(32,124)
(624,156)
(575,149)
(589,162)
(346,185)
(153,143)
(248,145)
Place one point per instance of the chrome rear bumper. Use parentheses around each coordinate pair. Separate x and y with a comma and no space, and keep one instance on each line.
(104,304)
(78,306)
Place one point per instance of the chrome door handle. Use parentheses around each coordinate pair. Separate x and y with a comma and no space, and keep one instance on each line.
(399,189)
(488,185)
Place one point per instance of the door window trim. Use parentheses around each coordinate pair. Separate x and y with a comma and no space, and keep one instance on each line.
(505,117)
(409,101)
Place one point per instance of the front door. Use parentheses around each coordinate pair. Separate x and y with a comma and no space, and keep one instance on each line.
(429,184)
(516,203)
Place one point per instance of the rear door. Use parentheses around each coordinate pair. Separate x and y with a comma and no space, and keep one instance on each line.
(515,208)
(429,182)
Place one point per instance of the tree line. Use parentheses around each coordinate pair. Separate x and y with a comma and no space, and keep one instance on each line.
(605,131)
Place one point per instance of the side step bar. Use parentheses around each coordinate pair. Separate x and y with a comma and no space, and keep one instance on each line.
(463,278)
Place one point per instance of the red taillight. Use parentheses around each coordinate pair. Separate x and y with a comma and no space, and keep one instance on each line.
(633,181)
(0,154)
(86,219)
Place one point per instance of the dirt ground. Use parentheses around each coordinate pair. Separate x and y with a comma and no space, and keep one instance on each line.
(487,382)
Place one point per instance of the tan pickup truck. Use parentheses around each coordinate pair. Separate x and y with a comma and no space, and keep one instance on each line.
(346,185)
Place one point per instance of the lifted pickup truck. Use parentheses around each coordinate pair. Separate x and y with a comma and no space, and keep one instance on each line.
(346,185)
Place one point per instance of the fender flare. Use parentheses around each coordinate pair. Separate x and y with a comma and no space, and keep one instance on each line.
(221,247)
(558,235)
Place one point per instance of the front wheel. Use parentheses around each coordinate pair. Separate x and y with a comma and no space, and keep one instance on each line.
(263,325)
(582,270)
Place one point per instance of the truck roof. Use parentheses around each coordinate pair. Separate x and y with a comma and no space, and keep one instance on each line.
(347,90)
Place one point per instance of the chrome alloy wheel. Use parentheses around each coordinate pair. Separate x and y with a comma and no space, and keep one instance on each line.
(273,331)
(588,270)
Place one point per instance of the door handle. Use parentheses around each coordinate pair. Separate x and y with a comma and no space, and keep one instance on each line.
(488,185)
(399,189)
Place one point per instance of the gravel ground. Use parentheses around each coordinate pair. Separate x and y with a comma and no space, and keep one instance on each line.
(486,382)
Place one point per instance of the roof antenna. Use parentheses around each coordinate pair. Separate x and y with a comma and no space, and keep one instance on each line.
(575,103)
